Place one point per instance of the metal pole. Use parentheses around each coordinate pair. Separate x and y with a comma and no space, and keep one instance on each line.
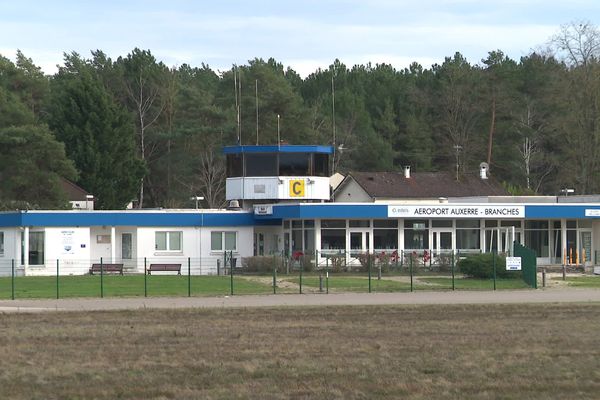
(320,283)
(411,274)
(544,277)
(327,278)
(301,268)
(13,279)
(230,272)
(145,279)
(274,275)
(101,278)
(452,268)
(494,266)
(369,266)
(189,279)
(57,274)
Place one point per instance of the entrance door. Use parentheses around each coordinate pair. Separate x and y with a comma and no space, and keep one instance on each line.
(359,244)
(442,241)
(126,246)
(585,247)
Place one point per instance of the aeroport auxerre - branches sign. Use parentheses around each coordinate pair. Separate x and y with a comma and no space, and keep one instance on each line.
(458,212)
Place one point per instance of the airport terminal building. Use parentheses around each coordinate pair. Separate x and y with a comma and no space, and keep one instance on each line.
(282,202)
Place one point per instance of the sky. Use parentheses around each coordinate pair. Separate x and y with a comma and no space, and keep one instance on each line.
(304,35)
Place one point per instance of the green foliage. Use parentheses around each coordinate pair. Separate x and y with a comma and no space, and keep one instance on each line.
(482,266)
(262,264)
(97,132)
(32,163)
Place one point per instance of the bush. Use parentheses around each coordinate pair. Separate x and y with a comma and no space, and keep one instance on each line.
(262,264)
(481,266)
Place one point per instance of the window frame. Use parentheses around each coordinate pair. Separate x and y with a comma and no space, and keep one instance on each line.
(223,241)
(168,242)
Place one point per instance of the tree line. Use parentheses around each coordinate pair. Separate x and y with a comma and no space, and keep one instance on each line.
(135,129)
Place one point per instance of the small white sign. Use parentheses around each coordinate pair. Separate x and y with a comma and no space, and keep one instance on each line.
(513,263)
(589,212)
(263,209)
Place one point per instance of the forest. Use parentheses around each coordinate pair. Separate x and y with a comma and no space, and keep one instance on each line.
(135,129)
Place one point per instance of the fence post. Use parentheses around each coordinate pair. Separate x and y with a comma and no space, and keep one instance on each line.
(301,271)
(369,267)
(494,266)
(57,274)
(101,278)
(145,279)
(274,275)
(411,273)
(230,271)
(189,279)
(327,277)
(452,269)
(12,285)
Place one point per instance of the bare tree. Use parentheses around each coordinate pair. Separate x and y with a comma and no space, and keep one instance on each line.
(142,82)
(579,45)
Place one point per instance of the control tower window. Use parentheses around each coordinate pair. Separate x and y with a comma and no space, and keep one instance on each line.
(321,167)
(294,164)
(235,166)
(258,164)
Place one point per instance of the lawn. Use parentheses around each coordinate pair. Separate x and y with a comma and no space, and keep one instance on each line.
(344,283)
(128,285)
(156,285)
(583,281)
(366,352)
(461,283)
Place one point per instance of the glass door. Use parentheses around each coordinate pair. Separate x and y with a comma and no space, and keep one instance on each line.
(359,244)
(126,246)
(585,247)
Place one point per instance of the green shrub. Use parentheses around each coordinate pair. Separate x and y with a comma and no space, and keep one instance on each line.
(481,266)
(262,264)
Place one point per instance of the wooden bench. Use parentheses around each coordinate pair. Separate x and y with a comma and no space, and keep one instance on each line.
(164,267)
(106,268)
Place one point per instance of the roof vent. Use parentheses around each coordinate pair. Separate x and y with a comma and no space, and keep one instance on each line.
(483,170)
(407,171)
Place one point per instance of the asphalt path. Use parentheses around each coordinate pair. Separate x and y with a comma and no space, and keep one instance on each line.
(562,295)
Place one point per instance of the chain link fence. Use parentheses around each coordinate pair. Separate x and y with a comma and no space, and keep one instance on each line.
(227,274)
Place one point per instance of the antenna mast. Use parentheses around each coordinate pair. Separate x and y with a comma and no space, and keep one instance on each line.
(333,115)
(256,96)
(237,104)
(278,134)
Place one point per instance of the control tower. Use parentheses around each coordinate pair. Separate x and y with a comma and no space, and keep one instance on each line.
(274,174)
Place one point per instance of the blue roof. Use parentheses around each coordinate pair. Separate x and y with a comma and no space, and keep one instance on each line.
(127,218)
(284,148)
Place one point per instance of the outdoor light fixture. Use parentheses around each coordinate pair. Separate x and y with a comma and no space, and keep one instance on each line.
(197,199)
(567,191)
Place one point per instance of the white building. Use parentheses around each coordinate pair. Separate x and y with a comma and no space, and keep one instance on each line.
(284,192)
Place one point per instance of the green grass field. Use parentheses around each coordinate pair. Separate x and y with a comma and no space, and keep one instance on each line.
(129,285)
(519,351)
(133,285)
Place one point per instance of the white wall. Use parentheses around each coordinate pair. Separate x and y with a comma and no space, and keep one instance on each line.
(352,192)
(71,246)
(12,243)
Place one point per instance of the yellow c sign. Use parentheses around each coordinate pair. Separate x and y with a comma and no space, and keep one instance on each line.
(297,188)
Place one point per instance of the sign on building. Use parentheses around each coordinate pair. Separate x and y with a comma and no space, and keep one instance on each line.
(463,211)
(297,188)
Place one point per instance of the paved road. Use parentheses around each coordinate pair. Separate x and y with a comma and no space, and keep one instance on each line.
(421,297)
